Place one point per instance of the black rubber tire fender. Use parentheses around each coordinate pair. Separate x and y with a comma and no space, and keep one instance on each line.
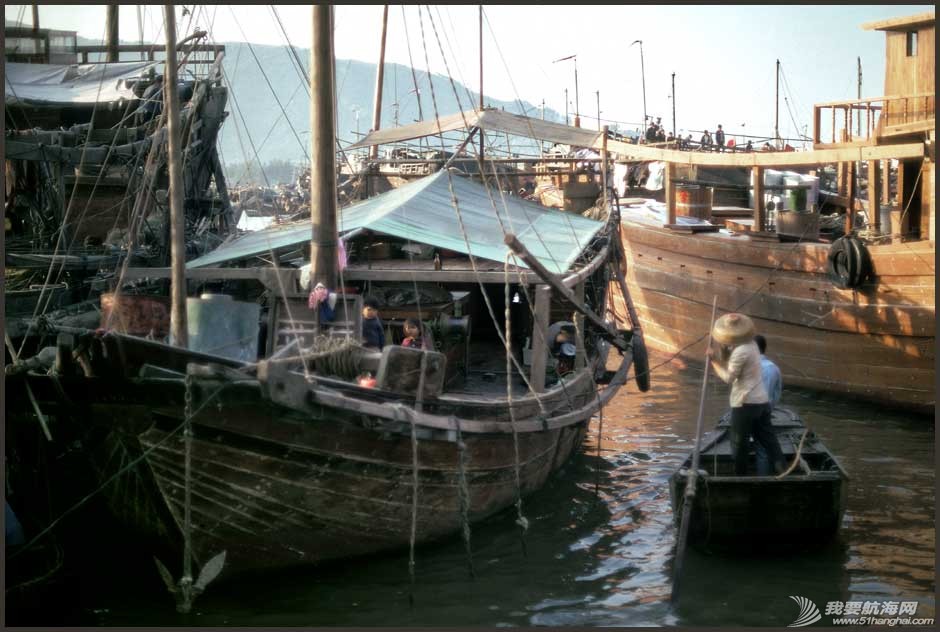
(641,362)
(843,263)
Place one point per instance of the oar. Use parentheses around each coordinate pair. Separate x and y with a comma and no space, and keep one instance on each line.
(692,479)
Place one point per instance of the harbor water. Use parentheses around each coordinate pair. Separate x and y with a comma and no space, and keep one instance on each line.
(599,548)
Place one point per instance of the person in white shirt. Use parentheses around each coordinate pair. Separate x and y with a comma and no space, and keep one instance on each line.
(739,365)
(773,382)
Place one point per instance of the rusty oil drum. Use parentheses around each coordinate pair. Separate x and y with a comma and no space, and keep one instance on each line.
(694,201)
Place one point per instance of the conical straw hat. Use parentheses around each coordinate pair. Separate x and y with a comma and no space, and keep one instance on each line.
(733,329)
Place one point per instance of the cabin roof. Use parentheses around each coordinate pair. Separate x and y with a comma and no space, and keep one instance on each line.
(422,212)
(907,23)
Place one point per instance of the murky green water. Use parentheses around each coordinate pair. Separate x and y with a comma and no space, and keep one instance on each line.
(602,558)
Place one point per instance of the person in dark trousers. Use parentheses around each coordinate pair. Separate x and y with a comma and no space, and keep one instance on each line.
(739,366)
(720,138)
(373,333)
(773,382)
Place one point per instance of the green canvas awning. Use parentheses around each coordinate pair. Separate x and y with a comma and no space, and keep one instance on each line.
(423,212)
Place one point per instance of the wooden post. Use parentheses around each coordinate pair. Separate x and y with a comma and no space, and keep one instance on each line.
(886,183)
(36,20)
(540,345)
(817,124)
(112,28)
(757,174)
(604,165)
(323,255)
(670,175)
(178,333)
(874,194)
(850,197)
(580,359)
(379,78)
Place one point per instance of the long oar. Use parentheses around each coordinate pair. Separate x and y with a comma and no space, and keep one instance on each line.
(692,479)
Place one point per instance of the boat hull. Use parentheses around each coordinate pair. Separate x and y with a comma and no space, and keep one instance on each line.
(763,513)
(875,342)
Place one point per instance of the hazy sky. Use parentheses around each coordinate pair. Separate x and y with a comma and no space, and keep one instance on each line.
(723,56)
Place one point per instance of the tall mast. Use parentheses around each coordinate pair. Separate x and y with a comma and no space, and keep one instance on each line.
(178,333)
(598,94)
(673,104)
(35,18)
(379,78)
(859,117)
(577,108)
(566,106)
(777,109)
(323,255)
(482,136)
(112,28)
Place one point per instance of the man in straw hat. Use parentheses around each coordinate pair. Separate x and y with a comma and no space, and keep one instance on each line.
(740,366)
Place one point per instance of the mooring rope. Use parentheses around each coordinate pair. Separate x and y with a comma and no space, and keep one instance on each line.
(520,518)
(463,496)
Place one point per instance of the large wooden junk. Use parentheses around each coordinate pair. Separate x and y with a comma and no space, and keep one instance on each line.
(856,316)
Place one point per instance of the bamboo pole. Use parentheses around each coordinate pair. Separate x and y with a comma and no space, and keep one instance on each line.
(178,332)
(692,479)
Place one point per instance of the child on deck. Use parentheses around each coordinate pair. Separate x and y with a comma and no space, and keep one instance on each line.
(413,337)
(373,333)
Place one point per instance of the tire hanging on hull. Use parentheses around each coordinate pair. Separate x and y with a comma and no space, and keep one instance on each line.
(849,262)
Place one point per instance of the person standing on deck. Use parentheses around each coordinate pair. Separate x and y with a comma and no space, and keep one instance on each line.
(739,365)
(720,139)
(706,141)
(773,382)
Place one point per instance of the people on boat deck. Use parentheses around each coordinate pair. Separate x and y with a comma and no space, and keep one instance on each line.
(706,141)
(739,365)
(749,146)
(373,332)
(413,337)
(773,382)
(651,132)
(720,139)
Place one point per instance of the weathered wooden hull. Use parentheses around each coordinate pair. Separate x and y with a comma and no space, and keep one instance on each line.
(754,513)
(876,342)
(276,487)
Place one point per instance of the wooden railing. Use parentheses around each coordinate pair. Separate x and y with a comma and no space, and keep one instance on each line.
(864,120)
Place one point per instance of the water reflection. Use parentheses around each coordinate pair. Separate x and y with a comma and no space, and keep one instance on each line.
(599,547)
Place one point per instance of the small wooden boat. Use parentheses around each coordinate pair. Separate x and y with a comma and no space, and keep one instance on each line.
(802,510)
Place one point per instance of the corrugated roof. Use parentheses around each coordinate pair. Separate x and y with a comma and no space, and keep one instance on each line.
(423,212)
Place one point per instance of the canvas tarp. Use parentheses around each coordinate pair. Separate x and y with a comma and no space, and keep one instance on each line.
(423,212)
(76,84)
(489,120)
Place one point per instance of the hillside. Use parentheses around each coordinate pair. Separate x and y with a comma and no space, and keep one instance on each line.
(254,106)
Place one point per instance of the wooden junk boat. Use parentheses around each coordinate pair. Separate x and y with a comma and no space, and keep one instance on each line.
(748,513)
(856,316)
(257,438)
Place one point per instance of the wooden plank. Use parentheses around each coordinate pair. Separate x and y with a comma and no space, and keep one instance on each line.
(745,225)
(640,153)
(692,228)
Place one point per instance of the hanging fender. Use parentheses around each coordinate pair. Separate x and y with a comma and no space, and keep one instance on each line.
(641,362)
(849,262)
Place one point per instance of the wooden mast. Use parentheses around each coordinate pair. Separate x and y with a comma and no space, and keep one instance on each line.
(178,333)
(482,135)
(323,256)
(112,28)
(777,110)
(379,79)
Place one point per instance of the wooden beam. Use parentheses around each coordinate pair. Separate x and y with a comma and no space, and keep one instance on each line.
(874,194)
(607,330)
(670,174)
(757,175)
(580,360)
(543,297)
(863,151)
